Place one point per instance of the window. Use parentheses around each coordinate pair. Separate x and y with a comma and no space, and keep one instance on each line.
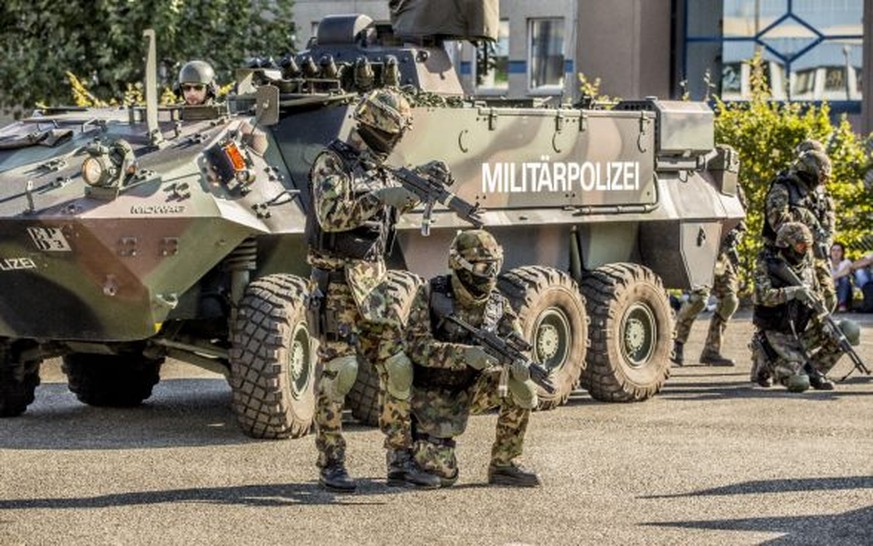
(546,53)
(492,60)
(811,49)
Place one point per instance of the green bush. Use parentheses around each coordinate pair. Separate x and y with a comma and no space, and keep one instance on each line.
(102,42)
(765,133)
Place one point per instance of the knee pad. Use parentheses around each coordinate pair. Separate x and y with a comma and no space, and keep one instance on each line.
(524,393)
(398,368)
(339,376)
(727,306)
(797,382)
(697,301)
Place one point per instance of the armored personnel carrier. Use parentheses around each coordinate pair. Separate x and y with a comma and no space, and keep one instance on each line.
(131,235)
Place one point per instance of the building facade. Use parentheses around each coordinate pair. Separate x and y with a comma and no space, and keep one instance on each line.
(812,50)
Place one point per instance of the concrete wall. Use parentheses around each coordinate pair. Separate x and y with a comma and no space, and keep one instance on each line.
(626,43)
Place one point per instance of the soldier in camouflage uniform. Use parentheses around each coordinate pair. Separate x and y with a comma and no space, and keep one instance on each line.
(725,287)
(800,195)
(355,207)
(799,350)
(454,378)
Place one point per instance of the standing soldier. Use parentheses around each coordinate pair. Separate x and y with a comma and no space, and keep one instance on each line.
(350,229)
(454,378)
(800,194)
(725,287)
(801,352)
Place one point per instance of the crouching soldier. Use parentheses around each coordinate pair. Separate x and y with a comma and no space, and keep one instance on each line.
(454,378)
(799,350)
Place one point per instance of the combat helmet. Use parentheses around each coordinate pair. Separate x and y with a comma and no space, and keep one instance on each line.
(792,233)
(809,144)
(475,258)
(813,165)
(383,115)
(197,72)
(851,330)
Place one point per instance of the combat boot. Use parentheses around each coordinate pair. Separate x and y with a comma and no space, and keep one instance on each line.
(763,379)
(335,477)
(678,357)
(712,358)
(513,475)
(820,383)
(402,470)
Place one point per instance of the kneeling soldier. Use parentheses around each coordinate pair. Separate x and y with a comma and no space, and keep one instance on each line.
(798,345)
(454,378)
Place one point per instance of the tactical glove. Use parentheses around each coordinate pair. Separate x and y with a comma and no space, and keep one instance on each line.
(803,294)
(396,196)
(520,370)
(477,358)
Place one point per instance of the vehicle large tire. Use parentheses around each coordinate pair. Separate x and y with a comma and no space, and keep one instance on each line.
(363,399)
(119,381)
(631,333)
(553,318)
(18,381)
(272,360)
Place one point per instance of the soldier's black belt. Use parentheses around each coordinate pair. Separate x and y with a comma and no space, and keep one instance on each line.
(327,276)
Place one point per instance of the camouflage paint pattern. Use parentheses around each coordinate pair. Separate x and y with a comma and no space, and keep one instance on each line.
(369,341)
(816,211)
(443,413)
(794,349)
(725,288)
(361,307)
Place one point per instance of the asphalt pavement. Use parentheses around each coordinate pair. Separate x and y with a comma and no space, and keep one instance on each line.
(710,460)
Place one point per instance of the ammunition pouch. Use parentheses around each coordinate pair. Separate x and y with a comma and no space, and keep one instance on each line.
(524,393)
(339,376)
(398,368)
(323,323)
(727,306)
(443,378)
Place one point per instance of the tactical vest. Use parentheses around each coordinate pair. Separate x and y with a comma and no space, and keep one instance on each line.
(780,318)
(369,241)
(798,197)
(442,304)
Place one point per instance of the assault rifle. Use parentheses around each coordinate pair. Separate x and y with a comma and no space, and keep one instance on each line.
(507,351)
(830,326)
(430,182)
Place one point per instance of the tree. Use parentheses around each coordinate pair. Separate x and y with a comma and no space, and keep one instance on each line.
(765,133)
(102,42)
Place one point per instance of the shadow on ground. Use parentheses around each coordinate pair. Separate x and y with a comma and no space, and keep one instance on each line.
(852,527)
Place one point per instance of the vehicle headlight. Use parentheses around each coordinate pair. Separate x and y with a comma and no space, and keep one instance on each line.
(97,170)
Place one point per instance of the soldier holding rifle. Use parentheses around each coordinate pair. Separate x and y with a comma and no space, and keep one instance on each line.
(455,375)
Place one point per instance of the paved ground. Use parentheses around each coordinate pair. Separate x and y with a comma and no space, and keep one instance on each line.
(711,460)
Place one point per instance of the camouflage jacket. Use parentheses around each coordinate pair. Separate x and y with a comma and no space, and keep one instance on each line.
(343,201)
(789,199)
(773,310)
(433,343)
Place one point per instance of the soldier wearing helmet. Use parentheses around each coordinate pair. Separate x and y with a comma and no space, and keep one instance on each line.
(800,194)
(454,377)
(196,83)
(350,230)
(798,349)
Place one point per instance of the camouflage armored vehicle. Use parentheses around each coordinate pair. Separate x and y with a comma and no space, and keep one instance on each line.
(132,235)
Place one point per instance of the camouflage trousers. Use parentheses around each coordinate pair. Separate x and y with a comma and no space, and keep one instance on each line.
(725,287)
(440,415)
(812,346)
(827,287)
(369,341)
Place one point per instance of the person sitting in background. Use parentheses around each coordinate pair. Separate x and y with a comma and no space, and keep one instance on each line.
(841,270)
(864,280)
